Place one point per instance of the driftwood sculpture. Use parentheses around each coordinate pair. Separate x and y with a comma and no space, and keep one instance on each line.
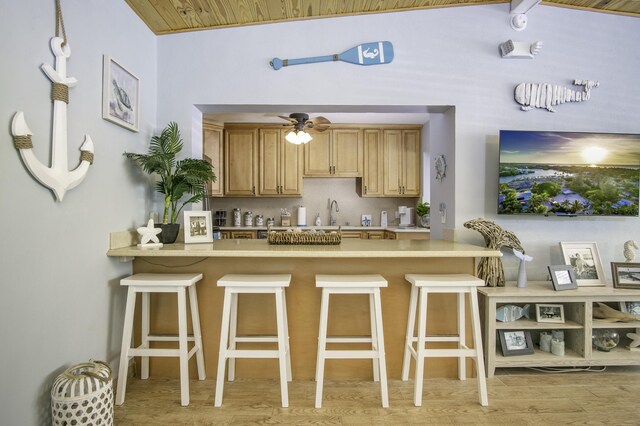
(490,268)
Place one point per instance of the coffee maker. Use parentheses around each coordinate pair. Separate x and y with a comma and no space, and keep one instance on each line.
(407,216)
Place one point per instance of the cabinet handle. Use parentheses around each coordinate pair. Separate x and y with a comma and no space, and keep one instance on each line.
(365,189)
(253,190)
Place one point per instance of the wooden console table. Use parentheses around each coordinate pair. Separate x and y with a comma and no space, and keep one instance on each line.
(578,326)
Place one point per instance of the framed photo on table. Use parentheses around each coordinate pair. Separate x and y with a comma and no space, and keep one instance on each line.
(197,227)
(562,277)
(585,261)
(515,342)
(120,95)
(549,313)
(625,275)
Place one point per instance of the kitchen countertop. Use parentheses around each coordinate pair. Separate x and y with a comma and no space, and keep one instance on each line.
(348,248)
(328,228)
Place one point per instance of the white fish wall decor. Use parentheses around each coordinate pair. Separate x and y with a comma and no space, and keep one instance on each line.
(545,95)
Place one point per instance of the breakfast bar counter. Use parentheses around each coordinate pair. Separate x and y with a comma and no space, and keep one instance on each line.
(349,315)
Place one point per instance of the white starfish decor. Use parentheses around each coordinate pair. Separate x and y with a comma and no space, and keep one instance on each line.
(149,235)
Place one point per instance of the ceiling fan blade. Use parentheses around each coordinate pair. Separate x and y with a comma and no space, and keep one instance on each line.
(292,120)
(319,120)
(319,124)
(320,127)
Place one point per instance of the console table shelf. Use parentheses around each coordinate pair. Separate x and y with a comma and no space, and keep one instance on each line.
(578,326)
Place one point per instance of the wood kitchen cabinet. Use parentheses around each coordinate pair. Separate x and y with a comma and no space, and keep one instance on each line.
(258,161)
(401,164)
(280,164)
(371,184)
(212,152)
(240,161)
(334,153)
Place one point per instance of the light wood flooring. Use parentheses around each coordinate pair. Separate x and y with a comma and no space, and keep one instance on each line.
(516,397)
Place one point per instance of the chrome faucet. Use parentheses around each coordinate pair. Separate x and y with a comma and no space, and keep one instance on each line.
(332,220)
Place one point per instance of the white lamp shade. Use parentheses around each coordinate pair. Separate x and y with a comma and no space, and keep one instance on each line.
(298,137)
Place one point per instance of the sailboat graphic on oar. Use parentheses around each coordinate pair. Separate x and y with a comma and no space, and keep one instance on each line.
(374,53)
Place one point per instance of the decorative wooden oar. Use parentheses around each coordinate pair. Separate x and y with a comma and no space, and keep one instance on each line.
(374,53)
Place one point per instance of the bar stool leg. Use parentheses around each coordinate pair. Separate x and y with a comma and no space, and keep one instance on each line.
(411,324)
(127,331)
(382,363)
(374,336)
(477,344)
(233,333)
(322,346)
(146,312)
(282,348)
(183,346)
(286,329)
(222,356)
(462,338)
(197,332)
(422,333)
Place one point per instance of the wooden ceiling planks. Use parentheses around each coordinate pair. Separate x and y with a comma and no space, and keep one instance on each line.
(171,16)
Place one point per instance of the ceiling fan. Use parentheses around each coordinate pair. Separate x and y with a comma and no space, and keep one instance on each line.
(300,123)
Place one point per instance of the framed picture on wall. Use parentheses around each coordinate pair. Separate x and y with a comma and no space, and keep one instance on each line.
(120,95)
(197,227)
(585,261)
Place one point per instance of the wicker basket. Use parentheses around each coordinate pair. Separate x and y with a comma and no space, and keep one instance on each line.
(305,238)
(83,395)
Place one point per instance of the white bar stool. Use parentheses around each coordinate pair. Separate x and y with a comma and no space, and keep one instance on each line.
(353,284)
(252,284)
(460,284)
(161,283)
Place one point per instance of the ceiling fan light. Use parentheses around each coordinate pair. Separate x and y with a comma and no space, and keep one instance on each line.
(298,138)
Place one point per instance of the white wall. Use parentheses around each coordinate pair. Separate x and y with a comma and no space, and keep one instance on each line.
(61,302)
(442,57)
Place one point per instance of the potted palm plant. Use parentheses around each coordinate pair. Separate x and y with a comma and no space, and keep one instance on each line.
(422,211)
(178,178)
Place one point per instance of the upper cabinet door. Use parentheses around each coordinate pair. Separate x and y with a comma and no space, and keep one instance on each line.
(392,143)
(290,168)
(411,162)
(317,155)
(240,158)
(269,154)
(372,172)
(347,152)
(212,152)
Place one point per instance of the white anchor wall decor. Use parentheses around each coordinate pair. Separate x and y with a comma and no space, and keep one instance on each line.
(57,177)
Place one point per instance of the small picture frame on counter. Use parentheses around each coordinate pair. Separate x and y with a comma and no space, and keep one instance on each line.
(625,275)
(197,227)
(515,342)
(563,277)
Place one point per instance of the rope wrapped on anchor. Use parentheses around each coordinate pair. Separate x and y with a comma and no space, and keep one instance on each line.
(22,142)
(60,92)
(86,156)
